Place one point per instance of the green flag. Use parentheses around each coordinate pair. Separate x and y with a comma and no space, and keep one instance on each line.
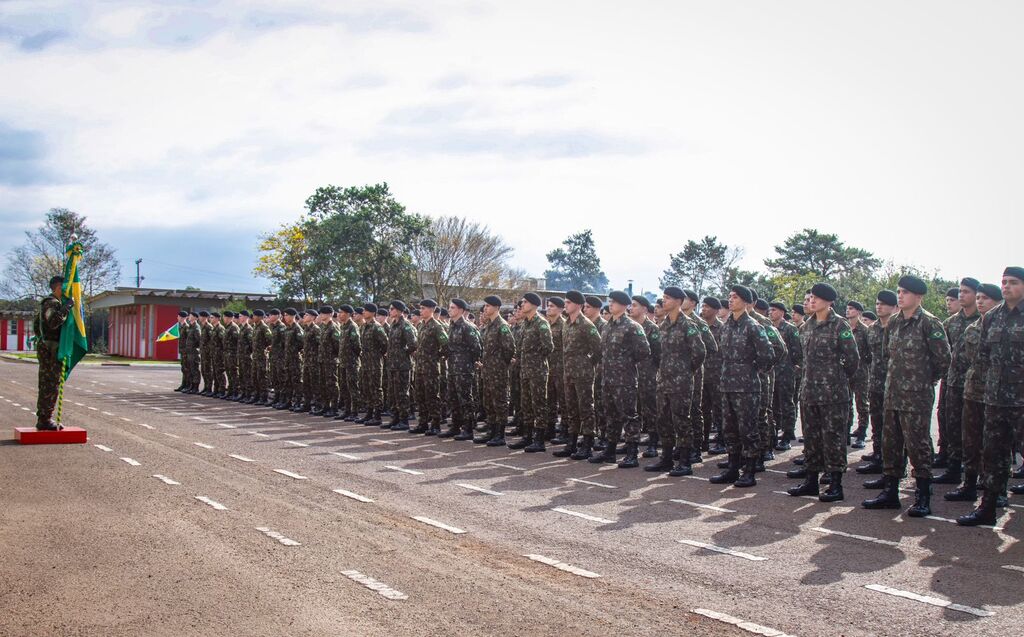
(73,345)
(169,334)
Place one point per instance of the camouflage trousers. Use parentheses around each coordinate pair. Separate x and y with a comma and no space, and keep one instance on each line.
(697,409)
(859,396)
(579,404)
(184,366)
(398,384)
(765,417)
(292,380)
(620,413)
(556,395)
(941,414)
(311,389)
(259,374)
(825,436)
(515,386)
(675,426)
(370,385)
(783,406)
(533,389)
(460,398)
(49,380)
(739,423)
(954,423)
(346,390)
(647,396)
(495,395)
(876,404)
(192,376)
(329,383)
(428,393)
(1002,425)
(711,408)
(276,374)
(245,375)
(231,369)
(973,438)
(600,422)
(220,379)
(910,433)
(206,370)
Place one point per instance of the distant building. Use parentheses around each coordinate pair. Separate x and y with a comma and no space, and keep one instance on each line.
(16,330)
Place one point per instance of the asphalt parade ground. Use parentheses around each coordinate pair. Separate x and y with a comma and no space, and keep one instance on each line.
(192,515)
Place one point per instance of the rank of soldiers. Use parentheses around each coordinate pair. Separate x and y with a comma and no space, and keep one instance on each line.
(670,380)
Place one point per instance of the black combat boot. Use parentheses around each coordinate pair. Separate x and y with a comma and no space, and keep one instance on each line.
(607,454)
(859,438)
(560,437)
(421,428)
(800,473)
(985,514)
(834,493)
(717,449)
(497,436)
(952,475)
(401,425)
(375,420)
(800,460)
(652,445)
(361,420)
(523,442)
(923,504)
(724,464)
(889,498)
(808,487)
(569,448)
(940,460)
(1017,489)
(968,492)
(695,456)
(466,433)
(731,472)
(486,435)
(784,443)
(877,483)
(759,463)
(664,463)
(683,466)
(452,430)
(434,429)
(747,478)
(47,425)
(584,449)
(872,466)
(630,461)
(537,445)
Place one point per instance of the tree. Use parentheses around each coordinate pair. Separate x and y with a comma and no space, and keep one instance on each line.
(284,259)
(700,266)
(458,254)
(824,255)
(30,265)
(576,266)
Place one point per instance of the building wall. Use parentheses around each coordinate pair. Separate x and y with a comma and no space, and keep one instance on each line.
(18,341)
(134,328)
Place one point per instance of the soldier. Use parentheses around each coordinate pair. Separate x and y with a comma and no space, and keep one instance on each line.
(276,369)
(182,326)
(514,378)
(917,356)
(532,356)
(682,354)
(310,363)
(463,353)
(954,380)
(190,354)
(581,345)
(647,374)
(217,345)
(349,348)
(765,417)
(206,352)
(373,344)
(798,315)
(832,358)
(885,306)
(1001,353)
(244,391)
(868,318)
(786,373)
(53,310)
(711,397)
(498,351)
(401,346)
(746,353)
(556,372)
(710,345)
(941,459)
(327,357)
(859,383)
(291,381)
(592,310)
(261,337)
(973,371)
(431,348)
(231,333)
(383,318)
(623,348)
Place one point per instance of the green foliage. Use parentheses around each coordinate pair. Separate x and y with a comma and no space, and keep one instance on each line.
(813,252)
(576,265)
(700,266)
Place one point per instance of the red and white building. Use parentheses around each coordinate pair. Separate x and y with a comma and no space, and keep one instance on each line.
(16,330)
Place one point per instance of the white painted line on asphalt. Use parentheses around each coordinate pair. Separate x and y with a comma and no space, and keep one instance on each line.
(165,479)
(934,601)
(93,408)
(16,404)
(479,489)
(103,447)
(226,425)
(593,484)
(411,472)
(142,424)
(863,538)
(79,404)
(710,507)
(806,497)
(935,517)
(722,549)
(297,444)
(775,471)
(380,588)
(440,525)
(260,434)
(562,566)
(277,536)
(25,409)
(132,461)
(1014,567)
(506,466)
(203,445)
(344,455)
(126,419)
(383,442)
(294,476)
(592,518)
(213,503)
(742,624)
(238,457)
(354,496)
(106,413)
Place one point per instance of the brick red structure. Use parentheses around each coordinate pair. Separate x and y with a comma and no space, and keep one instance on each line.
(16,330)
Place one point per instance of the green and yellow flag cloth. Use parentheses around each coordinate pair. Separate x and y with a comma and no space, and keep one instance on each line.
(169,334)
(73,345)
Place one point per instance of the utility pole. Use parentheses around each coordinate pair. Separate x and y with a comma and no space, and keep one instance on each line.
(138,275)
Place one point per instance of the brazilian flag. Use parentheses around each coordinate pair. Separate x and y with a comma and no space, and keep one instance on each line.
(73,344)
(169,334)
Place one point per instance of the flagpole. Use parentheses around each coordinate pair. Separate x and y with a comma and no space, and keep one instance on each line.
(60,393)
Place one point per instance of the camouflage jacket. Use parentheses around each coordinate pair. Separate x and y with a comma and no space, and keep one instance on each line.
(217,343)
(206,340)
(1002,351)
(832,359)
(706,336)
(746,353)
(277,341)
(876,375)
(373,341)
(789,366)
(350,344)
(464,347)
(192,338)
(330,344)
(432,344)
(653,334)
(555,360)
(956,326)
(517,338)
(581,348)
(976,369)
(52,314)
(599,324)
(623,347)
(774,339)
(401,345)
(232,333)
(536,346)
(311,345)
(261,337)
(917,356)
(293,342)
(499,345)
(713,359)
(245,334)
(682,354)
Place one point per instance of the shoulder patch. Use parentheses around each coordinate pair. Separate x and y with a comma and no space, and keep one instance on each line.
(593,330)
(545,327)
(691,331)
(704,327)
(846,334)
(504,329)
(938,334)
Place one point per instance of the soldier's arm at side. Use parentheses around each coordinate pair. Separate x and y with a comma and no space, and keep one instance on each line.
(938,352)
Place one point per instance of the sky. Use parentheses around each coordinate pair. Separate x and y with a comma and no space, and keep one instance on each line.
(183,130)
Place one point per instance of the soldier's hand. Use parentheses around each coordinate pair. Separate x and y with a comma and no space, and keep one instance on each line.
(479,365)
(513,361)
(69,303)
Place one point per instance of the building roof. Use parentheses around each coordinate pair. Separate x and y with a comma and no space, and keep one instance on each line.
(136,296)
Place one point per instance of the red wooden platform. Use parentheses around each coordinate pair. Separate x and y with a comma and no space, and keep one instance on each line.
(32,436)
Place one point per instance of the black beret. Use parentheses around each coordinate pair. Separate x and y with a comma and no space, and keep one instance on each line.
(753,294)
(777,306)
(887,297)
(712,302)
(346,308)
(443,312)
(275,312)
(594,302)
(195,314)
(659,302)
(532,298)
(743,292)
(399,305)
(691,295)
(415,312)
(557,301)
(991,291)
(619,297)
(55,280)
(183,314)
(370,307)
(229,314)
(953,293)
(493,300)
(855,305)
(358,309)
(459,303)
(215,314)
(431,303)
(576,297)
(868,314)
(311,312)
(204,314)
(971,282)
(326,309)
(724,302)
(245,313)
(258,313)
(642,300)
(761,304)
(913,284)
(798,308)
(290,311)
(824,291)
(1015,271)
(675,293)
(382,312)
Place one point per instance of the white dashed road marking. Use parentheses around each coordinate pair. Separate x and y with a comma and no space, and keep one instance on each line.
(170,435)
(935,517)
(297,444)
(562,566)
(750,627)
(854,536)
(132,462)
(722,549)
(709,507)
(924,599)
(1014,567)
(242,458)
(103,447)
(165,479)
(285,472)
(226,425)
(593,484)
(592,518)
(380,588)
(409,471)
(126,419)
(106,413)
(277,536)
(344,455)
(478,489)
(142,424)
(440,525)
(354,496)
(213,503)
(260,434)
(203,445)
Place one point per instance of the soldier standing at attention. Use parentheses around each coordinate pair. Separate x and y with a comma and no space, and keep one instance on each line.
(261,337)
(647,374)
(217,344)
(766,418)
(310,363)
(710,346)
(206,352)
(291,381)
(401,346)
(942,457)
(244,391)
(231,333)
(532,356)
(592,310)
(581,353)
(191,337)
(498,351)
(327,356)
(917,356)
(373,344)
(830,349)
(556,372)
(349,349)
(463,353)
(859,384)
(746,353)
(276,360)
(514,378)
(1001,353)
(623,347)
(786,373)
(711,397)
(182,327)
(48,324)
(432,346)
(885,306)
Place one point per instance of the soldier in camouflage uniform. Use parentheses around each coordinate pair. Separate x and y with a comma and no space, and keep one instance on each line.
(373,344)
(859,384)
(682,354)
(647,374)
(581,352)
(766,417)
(182,326)
(746,353)
(310,363)
(261,337)
(463,353)
(532,356)
(592,310)
(401,346)
(244,391)
(941,459)
(514,383)
(830,349)
(206,352)
(498,350)
(275,361)
(191,337)
(291,361)
(917,356)
(330,337)
(786,373)
(711,397)
(556,372)
(53,311)
(885,306)
(431,348)
(217,345)
(954,381)
(350,348)
(231,333)
(1001,352)
(710,345)
(623,348)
